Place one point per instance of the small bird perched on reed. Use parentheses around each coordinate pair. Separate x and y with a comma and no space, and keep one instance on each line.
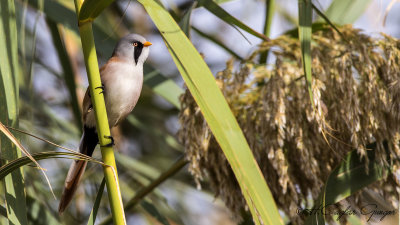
(122,79)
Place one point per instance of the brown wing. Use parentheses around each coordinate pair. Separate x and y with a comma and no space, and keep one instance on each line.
(87,106)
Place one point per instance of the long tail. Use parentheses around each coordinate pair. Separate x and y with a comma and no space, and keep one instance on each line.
(89,141)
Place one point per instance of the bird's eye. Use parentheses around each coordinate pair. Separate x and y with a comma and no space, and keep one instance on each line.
(135,44)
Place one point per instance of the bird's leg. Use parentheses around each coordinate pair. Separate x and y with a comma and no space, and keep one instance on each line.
(109,144)
(101,87)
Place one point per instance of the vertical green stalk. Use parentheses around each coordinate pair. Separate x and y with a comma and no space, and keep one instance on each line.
(103,129)
(269,14)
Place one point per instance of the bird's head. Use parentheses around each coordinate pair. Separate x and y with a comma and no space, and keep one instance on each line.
(133,47)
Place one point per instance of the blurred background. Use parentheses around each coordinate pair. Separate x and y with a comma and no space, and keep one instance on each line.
(53,82)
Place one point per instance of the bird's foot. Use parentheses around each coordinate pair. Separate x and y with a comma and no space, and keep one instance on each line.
(101,87)
(109,144)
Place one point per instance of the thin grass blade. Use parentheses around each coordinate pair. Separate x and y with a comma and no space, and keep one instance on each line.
(15,141)
(327,20)
(29,75)
(185,21)
(22,161)
(217,42)
(218,11)
(317,26)
(68,72)
(93,213)
(305,22)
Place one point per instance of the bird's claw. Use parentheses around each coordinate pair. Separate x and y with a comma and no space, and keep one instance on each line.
(109,144)
(101,87)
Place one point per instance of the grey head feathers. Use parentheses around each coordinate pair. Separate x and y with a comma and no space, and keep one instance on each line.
(132,47)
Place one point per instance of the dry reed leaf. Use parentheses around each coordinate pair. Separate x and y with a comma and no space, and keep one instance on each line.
(14,140)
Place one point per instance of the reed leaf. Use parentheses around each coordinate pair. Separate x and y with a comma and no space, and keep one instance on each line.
(346,12)
(92,8)
(162,86)
(350,176)
(216,111)
(9,94)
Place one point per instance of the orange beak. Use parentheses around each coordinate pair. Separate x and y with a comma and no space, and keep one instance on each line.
(147,43)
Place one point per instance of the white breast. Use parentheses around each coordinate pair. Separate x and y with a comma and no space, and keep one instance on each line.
(123,84)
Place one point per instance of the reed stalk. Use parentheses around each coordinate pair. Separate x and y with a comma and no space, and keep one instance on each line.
(269,15)
(103,129)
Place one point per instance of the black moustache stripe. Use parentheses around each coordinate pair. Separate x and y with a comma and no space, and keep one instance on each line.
(137,52)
